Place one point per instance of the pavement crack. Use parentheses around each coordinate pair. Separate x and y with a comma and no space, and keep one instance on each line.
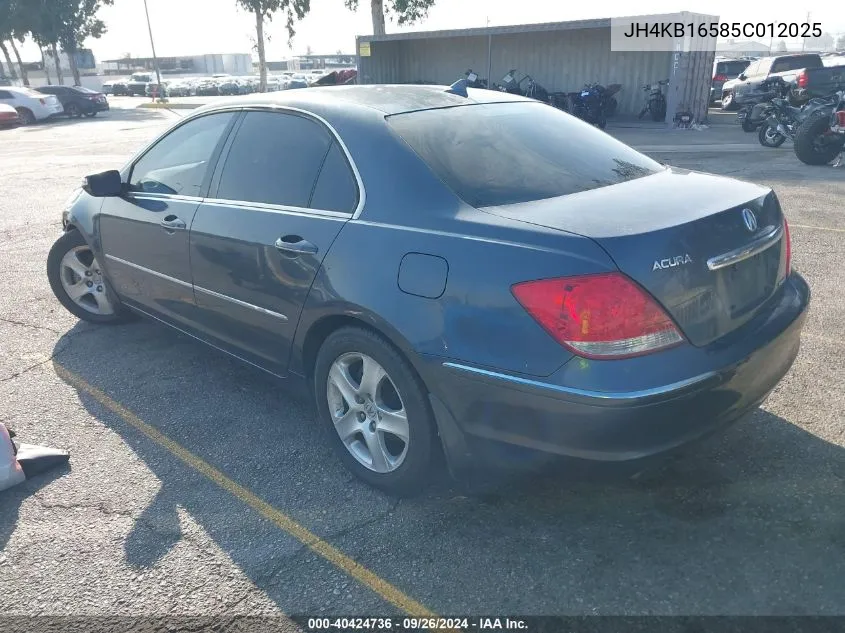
(31,325)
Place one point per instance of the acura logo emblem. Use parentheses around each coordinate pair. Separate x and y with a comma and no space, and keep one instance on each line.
(749,219)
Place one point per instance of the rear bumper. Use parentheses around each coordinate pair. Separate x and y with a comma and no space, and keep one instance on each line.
(615,425)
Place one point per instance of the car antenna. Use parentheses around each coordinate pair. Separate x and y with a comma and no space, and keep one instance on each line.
(459,88)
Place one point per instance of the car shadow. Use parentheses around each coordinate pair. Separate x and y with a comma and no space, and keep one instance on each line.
(735,524)
(115,114)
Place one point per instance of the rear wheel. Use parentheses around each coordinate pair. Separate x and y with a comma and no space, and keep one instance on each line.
(770,137)
(72,110)
(90,115)
(79,284)
(375,411)
(813,146)
(26,116)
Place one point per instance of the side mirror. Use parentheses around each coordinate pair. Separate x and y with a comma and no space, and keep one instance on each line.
(742,77)
(104,185)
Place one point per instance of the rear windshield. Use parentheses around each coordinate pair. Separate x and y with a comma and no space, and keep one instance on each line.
(506,153)
(794,63)
(731,69)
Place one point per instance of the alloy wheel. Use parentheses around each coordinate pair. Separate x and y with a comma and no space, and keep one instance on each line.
(368,412)
(83,281)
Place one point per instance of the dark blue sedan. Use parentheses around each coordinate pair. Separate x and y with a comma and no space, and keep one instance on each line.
(447,272)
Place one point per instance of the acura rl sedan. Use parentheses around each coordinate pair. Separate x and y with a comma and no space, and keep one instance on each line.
(447,269)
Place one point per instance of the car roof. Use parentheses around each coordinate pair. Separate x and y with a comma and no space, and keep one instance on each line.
(385,98)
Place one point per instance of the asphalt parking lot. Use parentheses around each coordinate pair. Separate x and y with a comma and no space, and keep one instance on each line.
(201,486)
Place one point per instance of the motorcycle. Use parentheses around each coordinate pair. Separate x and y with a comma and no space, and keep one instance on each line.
(474,81)
(655,103)
(532,89)
(595,103)
(783,120)
(755,105)
(821,137)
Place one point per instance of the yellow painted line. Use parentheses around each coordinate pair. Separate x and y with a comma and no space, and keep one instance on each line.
(337,558)
(818,228)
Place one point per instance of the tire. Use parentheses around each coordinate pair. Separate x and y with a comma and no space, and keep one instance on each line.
(26,116)
(73,241)
(90,115)
(770,139)
(338,356)
(73,111)
(748,126)
(804,143)
(728,101)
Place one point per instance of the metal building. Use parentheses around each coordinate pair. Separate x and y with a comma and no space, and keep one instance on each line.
(560,56)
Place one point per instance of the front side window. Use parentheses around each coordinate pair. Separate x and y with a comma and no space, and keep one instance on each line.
(507,153)
(274,159)
(178,163)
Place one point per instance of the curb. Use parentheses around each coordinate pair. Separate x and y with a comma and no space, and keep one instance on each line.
(170,106)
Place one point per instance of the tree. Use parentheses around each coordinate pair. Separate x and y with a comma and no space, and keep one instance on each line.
(840,42)
(406,11)
(264,10)
(12,19)
(308,49)
(780,47)
(79,23)
(822,43)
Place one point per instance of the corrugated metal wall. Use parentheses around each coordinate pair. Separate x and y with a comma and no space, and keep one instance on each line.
(559,60)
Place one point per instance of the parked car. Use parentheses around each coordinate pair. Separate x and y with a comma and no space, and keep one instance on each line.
(157,91)
(115,87)
(207,87)
(228,86)
(788,67)
(633,307)
(8,116)
(725,69)
(31,106)
(78,101)
(819,82)
(137,84)
(298,81)
(180,88)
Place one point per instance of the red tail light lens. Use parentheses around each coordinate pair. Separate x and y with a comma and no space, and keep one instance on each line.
(787,240)
(802,80)
(598,316)
(840,118)
(720,77)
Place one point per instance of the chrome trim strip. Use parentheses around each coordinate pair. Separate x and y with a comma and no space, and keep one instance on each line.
(608,396)
(140,195)
(150,272)
(202,340)
(262,206)
(770,236)
(211,293)
(243,304)
(269,105)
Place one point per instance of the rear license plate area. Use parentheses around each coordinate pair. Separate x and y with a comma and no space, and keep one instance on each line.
(749,283)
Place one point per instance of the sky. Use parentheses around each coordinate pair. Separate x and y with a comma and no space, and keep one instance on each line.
(190,27)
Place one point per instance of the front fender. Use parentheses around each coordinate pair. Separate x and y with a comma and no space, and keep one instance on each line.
(80,213)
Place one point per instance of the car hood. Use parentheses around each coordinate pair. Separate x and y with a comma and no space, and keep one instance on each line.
(730,84)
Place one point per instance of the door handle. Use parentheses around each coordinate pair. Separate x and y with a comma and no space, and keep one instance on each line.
(294,244)
(172,223)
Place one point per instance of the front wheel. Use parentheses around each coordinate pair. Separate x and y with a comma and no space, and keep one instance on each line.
(375,411)
(812,143)
(79,284)
(73,111)
(727,101)
(770,137)
(90,115)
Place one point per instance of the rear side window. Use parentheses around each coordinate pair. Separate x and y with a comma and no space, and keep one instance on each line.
(794,63)
(506,153)
(336,189)
(274,159)
(731,69)
(5,94)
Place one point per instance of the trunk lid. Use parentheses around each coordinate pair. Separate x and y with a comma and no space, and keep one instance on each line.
(668,232)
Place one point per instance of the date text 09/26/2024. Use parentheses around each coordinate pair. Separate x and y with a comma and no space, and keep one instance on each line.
(417,624)
(722,29)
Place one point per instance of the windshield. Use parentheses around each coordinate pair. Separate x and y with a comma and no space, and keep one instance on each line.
(507,153)
(794,63)
(141,77)
(85,90)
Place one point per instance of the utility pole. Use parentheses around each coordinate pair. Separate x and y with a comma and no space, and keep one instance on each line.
(804,39)
(153,46)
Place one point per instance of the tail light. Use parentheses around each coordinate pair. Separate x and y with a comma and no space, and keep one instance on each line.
(598,316)
(840,119)
(720,77)
(802,79)
(42,101)
(787,241)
